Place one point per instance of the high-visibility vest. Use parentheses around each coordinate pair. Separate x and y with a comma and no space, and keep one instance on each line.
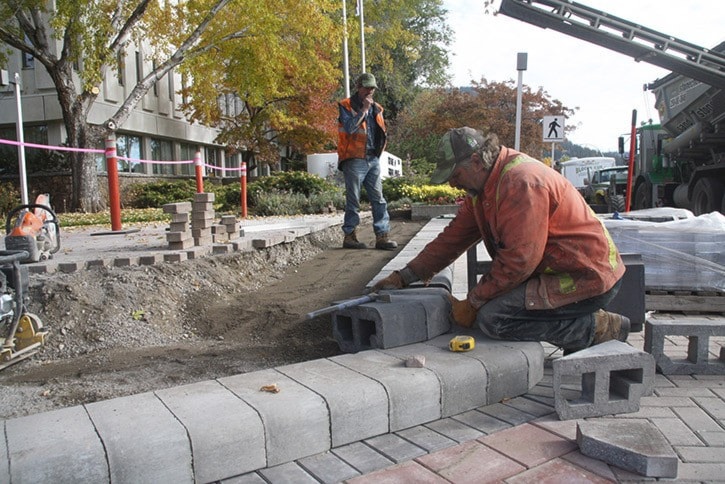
(353,145)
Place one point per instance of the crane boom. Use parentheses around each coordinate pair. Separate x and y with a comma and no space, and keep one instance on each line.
(636,41)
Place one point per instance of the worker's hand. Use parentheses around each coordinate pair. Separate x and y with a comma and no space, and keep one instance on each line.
(462,313)
(393,281)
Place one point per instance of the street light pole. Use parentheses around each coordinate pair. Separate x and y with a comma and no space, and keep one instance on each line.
(346,61)
(21,141)
(362,36)
(521,59)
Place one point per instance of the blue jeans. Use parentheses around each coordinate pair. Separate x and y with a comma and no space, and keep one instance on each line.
(364,173)
(570,327)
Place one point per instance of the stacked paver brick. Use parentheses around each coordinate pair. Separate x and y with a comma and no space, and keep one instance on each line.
(202,218)
(179,236)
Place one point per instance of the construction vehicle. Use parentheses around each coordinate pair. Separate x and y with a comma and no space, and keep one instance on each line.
(680,162)
(21,332)
(606,190)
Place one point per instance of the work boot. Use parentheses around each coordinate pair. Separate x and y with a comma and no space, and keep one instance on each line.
(350,242)
(384,243)
(609,326)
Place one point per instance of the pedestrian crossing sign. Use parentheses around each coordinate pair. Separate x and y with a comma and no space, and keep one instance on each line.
(553,127)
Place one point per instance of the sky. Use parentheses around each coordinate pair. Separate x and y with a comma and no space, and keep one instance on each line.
(604,84)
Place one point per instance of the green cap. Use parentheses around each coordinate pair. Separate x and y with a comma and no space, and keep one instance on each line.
(367,80)
(457,145)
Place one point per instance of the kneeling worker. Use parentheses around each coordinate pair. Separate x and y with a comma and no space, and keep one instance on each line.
(554,265)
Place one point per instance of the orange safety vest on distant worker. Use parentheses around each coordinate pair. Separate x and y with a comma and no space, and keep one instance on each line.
(353,145)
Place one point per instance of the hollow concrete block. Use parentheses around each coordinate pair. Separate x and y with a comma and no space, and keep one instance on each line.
(698,360)
(613,376)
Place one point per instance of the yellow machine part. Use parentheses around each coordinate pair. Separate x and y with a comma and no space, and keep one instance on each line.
(462,343)
(28,338)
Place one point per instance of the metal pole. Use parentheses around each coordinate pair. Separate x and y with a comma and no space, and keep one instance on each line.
(521,59)
(362,37)
(553,149)
(346,61)
(630,170)
(21,146)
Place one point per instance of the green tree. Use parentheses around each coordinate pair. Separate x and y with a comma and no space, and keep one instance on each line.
(488,106)
(406,46)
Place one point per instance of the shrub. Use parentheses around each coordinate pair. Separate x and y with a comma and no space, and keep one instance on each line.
(158,194)
(9,198)
(292,182)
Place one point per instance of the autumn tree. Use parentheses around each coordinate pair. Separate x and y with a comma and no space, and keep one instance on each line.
(488,106)
(276,84)
(77,42)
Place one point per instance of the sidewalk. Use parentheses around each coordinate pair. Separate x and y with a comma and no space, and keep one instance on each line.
(517,440)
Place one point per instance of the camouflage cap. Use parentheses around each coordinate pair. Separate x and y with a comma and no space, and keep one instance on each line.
(367,80)
(457,145)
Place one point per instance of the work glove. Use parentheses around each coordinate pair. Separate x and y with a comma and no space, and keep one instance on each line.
(462,313)
(393,281)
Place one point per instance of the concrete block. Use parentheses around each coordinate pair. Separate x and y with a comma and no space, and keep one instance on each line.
(463,380)
(296,420)
(633,444)
(126,261)
(178,236)
(268,241)
(698,331)
(204,197)
(177,208)
(219,249)
(203,241)
(613,375)
(56,446)
(504,362)
(69,267)
(47,267)
(175,257)
(149,260)
(144,442)
(630,300)
(358,405)
(180,217)
(97,263)
(179,226)
(182,245)
(241,245)
(414,394)
(407,316)
(198,252)
(227,435)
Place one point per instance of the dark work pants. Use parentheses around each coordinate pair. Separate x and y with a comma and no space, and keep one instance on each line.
(570,327)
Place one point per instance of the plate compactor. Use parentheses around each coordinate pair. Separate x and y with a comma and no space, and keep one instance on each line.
(32,235)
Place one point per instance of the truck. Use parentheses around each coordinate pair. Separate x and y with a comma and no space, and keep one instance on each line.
(681,161)
(606,189)
(580,170)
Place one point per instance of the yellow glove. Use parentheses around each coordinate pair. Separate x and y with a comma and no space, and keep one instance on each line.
(393,281)
(462,313)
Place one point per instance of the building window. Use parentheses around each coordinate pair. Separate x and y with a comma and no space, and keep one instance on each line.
(127,146)
(139,67)
(162,150)
(187,153)
(213,158)
(28,60)
(156,83)
(172,93)
(36,159)
(121,67)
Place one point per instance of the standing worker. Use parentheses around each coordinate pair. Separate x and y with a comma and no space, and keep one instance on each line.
(554,265)
(361,140)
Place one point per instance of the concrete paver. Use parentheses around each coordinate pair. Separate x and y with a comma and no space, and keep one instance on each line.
(688,409)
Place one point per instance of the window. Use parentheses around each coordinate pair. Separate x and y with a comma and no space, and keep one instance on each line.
(187,153)
(162,150)
(28,60)
(156,83)
(127,146)
(139,67)
(170,77)
(36,159)
(121,67)
(213,158)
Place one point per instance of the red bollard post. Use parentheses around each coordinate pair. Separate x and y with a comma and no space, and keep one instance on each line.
(199,172)
(243,183)
(114,193)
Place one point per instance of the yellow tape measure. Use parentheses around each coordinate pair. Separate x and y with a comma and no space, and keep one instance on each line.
(462,343)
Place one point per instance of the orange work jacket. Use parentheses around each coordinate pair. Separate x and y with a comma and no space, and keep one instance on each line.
(537,229)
